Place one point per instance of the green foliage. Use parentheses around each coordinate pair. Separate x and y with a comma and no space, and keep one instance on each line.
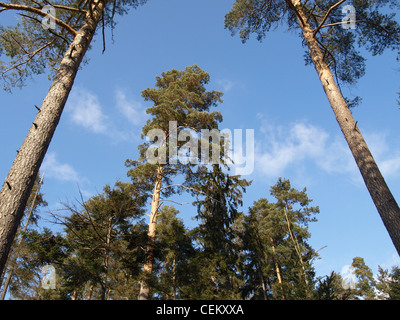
(218,259)
(279,259)
(30,49)
(179,96)
(174,252)
(330,287)
(229,255)
(376,30)
(366,282)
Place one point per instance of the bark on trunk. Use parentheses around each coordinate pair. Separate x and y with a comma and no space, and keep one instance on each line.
(13,264)
(297,249)
(277,269)
(148,265)
(21,177)
(376,185)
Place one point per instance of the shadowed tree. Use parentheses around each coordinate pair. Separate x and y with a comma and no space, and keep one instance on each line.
(328,34)
(279,256)
(218,266)
(30,49)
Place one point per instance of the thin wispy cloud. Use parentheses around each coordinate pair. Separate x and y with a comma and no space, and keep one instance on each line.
(387,157)
(225,85)
(55,169)
(291,146)
(132,110)
(85,110)
(124,118)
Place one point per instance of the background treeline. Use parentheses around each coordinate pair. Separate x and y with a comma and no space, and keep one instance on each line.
(128,242)
(263,254)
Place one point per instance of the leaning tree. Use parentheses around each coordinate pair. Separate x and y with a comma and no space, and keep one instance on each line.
(52,35)
(331,31)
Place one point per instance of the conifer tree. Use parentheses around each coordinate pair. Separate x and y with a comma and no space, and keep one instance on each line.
(279,257)
(31,48)
(180,101)
(331,287)
(218,257)
(174,253)
(366,283)
(98,233)
(331,38)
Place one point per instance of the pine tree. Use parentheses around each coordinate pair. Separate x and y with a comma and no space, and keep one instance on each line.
(32,48)
(331,287)
(394,284)
(332,51)
(174,252)
(262,239)
(180,101)
(275,237)
(366,282)
(40,249)
(218,258)
(98,232)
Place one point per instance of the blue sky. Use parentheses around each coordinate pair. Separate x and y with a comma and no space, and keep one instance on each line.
(266,87)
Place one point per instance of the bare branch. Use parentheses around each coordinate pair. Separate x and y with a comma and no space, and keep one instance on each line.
(327,15)
(362,21)
(68,8)
(180,203)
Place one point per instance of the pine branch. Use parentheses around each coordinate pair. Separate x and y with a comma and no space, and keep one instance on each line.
(176,202)
(39,12)
(49,30)
(31,55)
(362,21)
(327,15)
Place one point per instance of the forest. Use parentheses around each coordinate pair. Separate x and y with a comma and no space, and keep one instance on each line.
(129,241)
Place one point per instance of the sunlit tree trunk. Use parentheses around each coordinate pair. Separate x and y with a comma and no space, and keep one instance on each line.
(148,265)
(277,269)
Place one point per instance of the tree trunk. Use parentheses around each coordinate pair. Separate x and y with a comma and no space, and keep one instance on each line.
(148,265)
(376,185)
(21,177)
(89,296)
(297,249)
(13,264)
(264,288)
(277,268)
(74,294)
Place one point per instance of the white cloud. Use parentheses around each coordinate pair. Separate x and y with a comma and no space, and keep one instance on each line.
(387,158)
(132,110)
(60,171)
(85,110)
(290,146)
(225,84)
(391,262)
